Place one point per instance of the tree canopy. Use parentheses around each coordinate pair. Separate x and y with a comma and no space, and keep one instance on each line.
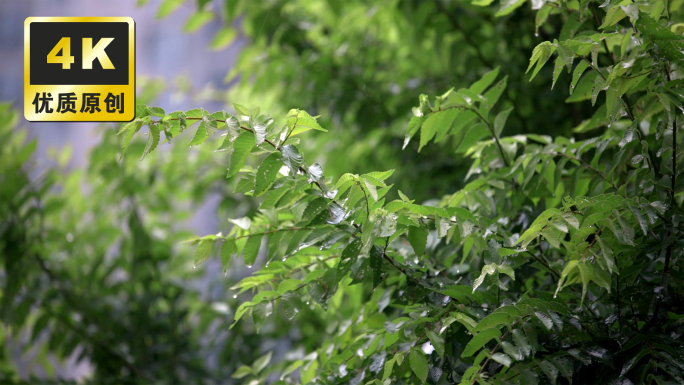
(433,200)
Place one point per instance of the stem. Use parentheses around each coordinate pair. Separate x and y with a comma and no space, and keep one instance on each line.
(275,231)
(617,292)
(543,263)
(489,126)
(668,252)
(594,67)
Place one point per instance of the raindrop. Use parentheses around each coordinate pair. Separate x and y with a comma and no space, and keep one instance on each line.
(284,259)
(267,264)
(536,34)
(458,271)
(307,302)
(194,267)
(249,266)
(70,237)
(235,296)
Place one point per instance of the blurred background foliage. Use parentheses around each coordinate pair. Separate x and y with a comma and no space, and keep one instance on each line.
(91,267)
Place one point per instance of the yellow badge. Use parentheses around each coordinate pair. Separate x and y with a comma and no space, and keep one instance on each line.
(79,69)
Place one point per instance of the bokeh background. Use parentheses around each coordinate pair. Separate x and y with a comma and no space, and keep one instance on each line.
(193,73)
(189,74)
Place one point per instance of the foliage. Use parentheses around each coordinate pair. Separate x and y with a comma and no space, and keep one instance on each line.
(95,275)
(360,64)
(550,254)
(558,261)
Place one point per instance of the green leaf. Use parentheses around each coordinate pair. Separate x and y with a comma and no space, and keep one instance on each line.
(418,364)
(349,256)
(414,124)
(557,69)
(584,88)
(389,365)
(251,249)
(417,237)
(613,16)
(669,45)
(242,371)
(200,135)
(550,370)
(261,362)
(492,96)
(197,20)
(292,158)
(479,340)
(577,73)
(131,129)
(227,250)
(541,17)
(508,6)
(241,111)
(302,122)
(540,55)
(486,270)
(521,341)
(487,79)
(168,6)
(436,341)
(313,209)
(503,359)
(223,38)
(152,140)
(598,86)
(242,146)
(496,319)
(291,304)
(607,254)
(586,274)
(267,173)
(203,251)
(500,120)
